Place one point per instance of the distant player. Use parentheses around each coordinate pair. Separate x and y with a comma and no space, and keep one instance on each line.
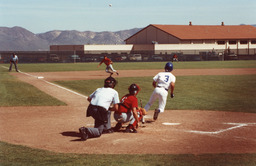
(175,58)
(162,82)
(108,63)
(14,60)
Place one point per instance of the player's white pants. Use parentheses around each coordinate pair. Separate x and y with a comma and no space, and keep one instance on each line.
(124,117)
(160,94)
(110,68)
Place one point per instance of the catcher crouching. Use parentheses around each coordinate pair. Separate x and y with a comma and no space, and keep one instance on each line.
(128,111)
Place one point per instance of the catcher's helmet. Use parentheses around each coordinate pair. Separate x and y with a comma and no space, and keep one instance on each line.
(110,82)
(134,89)
(168,67)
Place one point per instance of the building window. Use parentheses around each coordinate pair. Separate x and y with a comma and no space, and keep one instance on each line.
(197,42)
(221,42)
(232,42)
(253,42)
(209,42)
(185,42)
(243,42)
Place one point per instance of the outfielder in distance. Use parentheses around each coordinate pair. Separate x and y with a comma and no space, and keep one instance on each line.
(108,63)
(162,82)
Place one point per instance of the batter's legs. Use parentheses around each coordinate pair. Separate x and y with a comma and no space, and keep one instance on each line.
(152,99)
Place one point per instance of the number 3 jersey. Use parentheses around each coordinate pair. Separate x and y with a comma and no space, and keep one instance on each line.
(164,79)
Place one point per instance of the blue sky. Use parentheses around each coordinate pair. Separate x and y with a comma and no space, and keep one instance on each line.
(39,16)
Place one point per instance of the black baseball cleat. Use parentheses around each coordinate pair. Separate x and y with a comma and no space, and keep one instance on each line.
(156,113)
(130,129)
(134,131)
(117,127)
(127,130)
(117,73)
(108,131)
(84,133)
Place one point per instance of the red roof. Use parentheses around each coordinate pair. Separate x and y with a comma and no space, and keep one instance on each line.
(197,32)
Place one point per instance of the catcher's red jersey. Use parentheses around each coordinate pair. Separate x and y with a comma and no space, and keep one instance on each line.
(127,103)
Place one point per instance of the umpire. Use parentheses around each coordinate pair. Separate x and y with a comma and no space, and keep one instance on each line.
(14,60)
(100,101)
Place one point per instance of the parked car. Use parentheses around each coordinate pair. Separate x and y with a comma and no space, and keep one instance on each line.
(75,58)
(120,58)
(89,59)
(54,58)
(157,58)
(135,57)
(231,57)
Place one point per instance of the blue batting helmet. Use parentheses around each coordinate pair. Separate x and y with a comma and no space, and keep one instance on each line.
(168,67)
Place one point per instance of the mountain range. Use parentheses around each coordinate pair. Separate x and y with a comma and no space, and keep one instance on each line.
(20,39)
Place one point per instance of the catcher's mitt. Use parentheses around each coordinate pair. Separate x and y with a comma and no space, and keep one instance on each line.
(142,110)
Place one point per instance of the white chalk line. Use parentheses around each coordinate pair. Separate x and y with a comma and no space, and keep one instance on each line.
(5,67)
(170,124)
(236,125)
(51,83)
(65,88)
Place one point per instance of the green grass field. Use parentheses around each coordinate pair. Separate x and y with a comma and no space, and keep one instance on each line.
(50,67)
(228,93)
(16,93)
(24,156)
(222,93)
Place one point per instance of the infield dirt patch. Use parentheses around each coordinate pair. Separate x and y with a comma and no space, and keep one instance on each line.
(175,132)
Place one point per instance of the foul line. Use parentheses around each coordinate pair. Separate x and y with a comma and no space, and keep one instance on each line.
(52,84)
(65,89)
(236,125)
(170,124)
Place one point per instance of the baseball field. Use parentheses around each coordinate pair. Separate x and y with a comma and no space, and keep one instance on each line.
(210,121)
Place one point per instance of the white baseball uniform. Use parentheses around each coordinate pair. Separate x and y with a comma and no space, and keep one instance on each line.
(163,80)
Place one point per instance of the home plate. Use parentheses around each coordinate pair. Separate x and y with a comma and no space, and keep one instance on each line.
(40,77)
(170,124)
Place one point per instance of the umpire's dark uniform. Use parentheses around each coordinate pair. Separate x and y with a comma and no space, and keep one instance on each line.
(102,120)
(100,101)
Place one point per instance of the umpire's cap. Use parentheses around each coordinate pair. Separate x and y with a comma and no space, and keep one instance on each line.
(110,82)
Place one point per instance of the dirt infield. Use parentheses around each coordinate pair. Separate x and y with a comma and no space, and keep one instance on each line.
(83,75)
(175,132)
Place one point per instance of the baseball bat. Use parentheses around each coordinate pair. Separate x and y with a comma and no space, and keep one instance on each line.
(142,119)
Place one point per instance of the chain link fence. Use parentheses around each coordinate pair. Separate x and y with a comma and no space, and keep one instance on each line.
(144,56)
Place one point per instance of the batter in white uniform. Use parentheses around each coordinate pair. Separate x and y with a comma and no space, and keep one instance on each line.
(162,82)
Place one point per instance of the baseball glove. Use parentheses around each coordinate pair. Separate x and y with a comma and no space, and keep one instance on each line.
(142,110)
